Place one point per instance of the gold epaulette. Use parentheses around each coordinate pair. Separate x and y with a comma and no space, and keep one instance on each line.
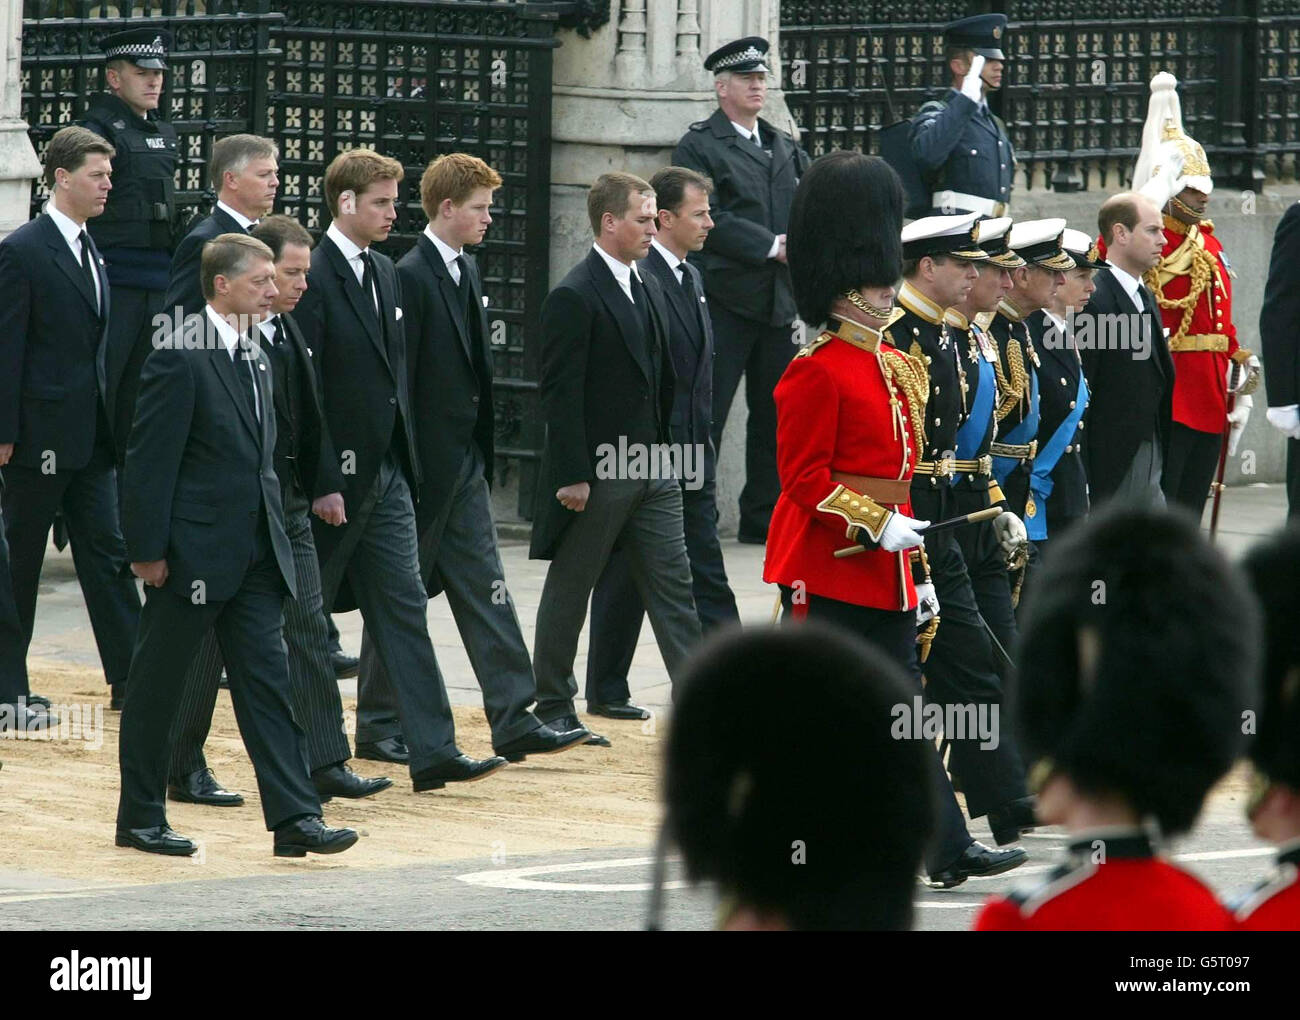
(812,345)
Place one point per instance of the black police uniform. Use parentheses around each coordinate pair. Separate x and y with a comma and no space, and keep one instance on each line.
(962,148)
(960,668)
(750,300)
(135,232)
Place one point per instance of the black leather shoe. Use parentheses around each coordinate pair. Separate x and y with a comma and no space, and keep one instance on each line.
(201,787)
(345,666)
(752,538)
(1011,819)
(978,860)
(390,749)
(461,769)
(38,701)
(619,710)
(340,781)
(118,697)
(26,718)
(543,740)
(311,835)
(570,722)
(158,840)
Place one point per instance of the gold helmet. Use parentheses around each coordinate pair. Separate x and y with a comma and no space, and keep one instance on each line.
(1164,141)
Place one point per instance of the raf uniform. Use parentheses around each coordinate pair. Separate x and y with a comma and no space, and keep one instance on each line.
(960,668)
(749,296)
(959,143)
(134,233)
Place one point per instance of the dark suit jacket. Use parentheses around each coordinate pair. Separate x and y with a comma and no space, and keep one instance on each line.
(596,384)
(1130,399)
(313,436)
(199,468)
(690,340)
(185,289)
(1279,317)
(53,345)
(361,368)
(452,405)
(750,205)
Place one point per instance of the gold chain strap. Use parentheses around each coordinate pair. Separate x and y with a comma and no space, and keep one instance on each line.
(1203,268)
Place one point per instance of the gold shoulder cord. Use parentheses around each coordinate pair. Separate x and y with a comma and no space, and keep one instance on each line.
(1202,268)
(1014,390)
(908,373)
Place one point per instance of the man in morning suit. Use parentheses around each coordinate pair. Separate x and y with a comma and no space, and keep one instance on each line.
(1130,373)
(755,168)
(607,397)
(351,320)
(205,529)
(55,444)
(449,363)
(682,196)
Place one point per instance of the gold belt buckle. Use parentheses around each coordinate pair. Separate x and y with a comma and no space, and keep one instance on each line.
(985,464)
(1033,448)
(945,467)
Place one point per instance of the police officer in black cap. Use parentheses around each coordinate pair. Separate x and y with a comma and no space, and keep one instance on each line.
(755,168)
(134,234)
(962,149)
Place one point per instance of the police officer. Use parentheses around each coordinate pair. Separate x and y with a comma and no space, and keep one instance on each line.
(755,168)
(961,147)
(134,234)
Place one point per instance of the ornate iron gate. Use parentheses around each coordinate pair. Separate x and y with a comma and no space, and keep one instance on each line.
(410,78)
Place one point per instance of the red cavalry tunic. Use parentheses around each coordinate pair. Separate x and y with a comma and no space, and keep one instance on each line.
(1200,387)
(838,409)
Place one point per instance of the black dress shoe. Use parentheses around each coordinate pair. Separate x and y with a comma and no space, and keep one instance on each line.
(24,718)
(570,722)
(345,666)
(201,787)
(118,697)
(619,710)
(978,860)
(38,701)
(390,749)
(752,538)
(1011,819)
(543,740)
(311,835)
(340,781)
(461,769)
(158,840)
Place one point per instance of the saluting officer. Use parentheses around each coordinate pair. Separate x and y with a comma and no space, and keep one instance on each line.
(962,148)
(134,234)
(755,168)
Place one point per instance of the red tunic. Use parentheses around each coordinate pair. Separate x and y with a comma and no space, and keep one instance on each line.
(834,412)
(1274,905)
(1200,387)
(1125,893)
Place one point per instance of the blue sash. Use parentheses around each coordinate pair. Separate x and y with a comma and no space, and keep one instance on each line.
(1021,435)
(971,434)
(1040,482)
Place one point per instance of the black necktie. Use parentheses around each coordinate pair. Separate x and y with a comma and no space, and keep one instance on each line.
(463,285)
(368,279)
(86,267)
(688,285)
(278,331)
(245,352)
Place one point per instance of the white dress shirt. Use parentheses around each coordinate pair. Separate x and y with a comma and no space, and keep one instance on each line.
(448,253)
(71,231)
(674,263)
(353,254)
(622,272)
(238,217)
(1130,285)
(230,340)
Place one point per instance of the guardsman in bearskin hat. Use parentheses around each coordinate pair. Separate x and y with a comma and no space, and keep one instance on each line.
(1192,285)
(1058,481)
(817,829)
(1128,716)
(850,427)
(1274,810)
(989,548)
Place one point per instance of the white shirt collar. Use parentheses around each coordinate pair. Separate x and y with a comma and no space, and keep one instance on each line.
(350,251)
(448,253)
(674,263)
(1056,321)
(267,326)
(744,132)
(1128,282)
(235,215)
(229,335)
(622,272)
(68,227)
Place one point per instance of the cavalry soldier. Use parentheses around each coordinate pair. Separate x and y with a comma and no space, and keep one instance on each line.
(961,148)
(851,425)
(940,255)
(1058,482)
(135,233)
(1192,284)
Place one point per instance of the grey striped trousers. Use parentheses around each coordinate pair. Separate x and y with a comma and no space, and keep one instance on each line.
(313,690)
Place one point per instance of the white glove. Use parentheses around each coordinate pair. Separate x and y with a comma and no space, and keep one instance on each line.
(900,533)
(1167,183)
(1237,418)
(971,86)
(1011,534)
(1285,419)
(1248,375)
(927,603)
